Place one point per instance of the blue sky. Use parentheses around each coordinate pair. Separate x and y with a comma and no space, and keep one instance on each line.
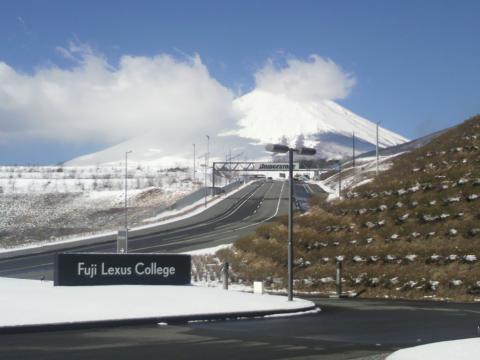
(416,63)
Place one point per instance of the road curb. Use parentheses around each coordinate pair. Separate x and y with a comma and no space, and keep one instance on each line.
(171,320)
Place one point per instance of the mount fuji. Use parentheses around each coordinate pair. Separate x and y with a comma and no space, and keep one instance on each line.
(324,125)
(262,117)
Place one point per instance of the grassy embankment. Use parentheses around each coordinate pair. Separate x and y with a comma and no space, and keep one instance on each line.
(413,232)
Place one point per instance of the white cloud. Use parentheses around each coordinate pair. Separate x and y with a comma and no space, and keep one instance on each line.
(160,102)
(93,101)
(315,79)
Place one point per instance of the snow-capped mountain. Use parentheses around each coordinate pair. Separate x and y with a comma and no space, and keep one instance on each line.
(324,125)
(263,117)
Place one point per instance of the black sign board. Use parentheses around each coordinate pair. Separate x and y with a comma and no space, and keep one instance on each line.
(73,269)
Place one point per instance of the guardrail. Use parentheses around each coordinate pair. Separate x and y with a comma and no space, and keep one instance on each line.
(200,194)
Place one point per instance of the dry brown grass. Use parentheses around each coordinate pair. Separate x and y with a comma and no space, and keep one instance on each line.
(351,228)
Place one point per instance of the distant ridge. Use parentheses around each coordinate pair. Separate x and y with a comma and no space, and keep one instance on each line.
(408,146)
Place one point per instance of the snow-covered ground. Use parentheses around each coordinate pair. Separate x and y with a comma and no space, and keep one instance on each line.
(48,203)
(363,173)
(97,179)
(161,219)
(465,349)
(208,251)
(70,304)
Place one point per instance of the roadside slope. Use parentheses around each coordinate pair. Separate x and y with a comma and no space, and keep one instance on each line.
(413,232)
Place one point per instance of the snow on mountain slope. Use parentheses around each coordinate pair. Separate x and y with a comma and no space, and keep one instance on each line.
(325,125)
(263,117)
(151,150)
(145,149)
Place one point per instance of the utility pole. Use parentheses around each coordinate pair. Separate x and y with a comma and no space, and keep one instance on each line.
(290,224)
(194,160)
(205,181)
(338,278)
(208,155)
(281,148)
(353,150)
(376,151)
(339,178)
(213,178)
(226,181)
(126,189)
(206,168)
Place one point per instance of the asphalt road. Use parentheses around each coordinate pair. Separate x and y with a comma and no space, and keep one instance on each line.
(344,329)
(232,218)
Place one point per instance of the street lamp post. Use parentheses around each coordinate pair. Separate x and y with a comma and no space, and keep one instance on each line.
(290,224)
(213,178)
(126,199)
(279,148)
(376,151)
(206,167)
(353,150)
(339,179)
(194,161)
(230,165)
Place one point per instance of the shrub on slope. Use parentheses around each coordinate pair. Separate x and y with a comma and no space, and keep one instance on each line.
(413,232)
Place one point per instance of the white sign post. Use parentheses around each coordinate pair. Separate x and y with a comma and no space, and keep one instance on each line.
(122,237)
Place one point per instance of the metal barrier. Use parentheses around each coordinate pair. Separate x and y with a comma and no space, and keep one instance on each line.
(200,194)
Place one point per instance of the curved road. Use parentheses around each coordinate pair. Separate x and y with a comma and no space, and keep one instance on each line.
(234,217)
(344,329)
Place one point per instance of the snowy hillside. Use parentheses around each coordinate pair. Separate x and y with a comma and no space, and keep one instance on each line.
(61,179)
(351,177)
(263,117)
(40,203)
(146,149)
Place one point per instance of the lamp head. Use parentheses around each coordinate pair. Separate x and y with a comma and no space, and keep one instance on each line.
(277,148)
(306,151)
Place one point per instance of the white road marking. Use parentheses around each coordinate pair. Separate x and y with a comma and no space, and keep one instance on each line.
(271,217)
(181,242)
(208,222)
(221,233)
(239,206)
